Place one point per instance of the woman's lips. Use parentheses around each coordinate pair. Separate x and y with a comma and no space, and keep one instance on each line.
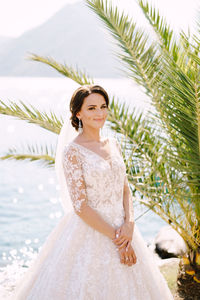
(98,119)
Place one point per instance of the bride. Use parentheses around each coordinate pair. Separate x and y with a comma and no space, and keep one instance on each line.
(96,252)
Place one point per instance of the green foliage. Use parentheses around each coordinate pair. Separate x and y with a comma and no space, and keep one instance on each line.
(162,150)
(32,115)
(140,58)
(77,75)
(46,156)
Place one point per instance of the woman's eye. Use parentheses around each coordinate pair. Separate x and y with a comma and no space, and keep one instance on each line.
(94,107)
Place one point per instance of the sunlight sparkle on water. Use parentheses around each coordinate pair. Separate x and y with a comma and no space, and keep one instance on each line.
(17,266)
(15,200)
(57,214)
(27,242)
(20,190)
(51,180)
(57,187)
(40,187)
(53,200)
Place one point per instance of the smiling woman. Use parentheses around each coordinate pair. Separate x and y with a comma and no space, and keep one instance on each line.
(96,251)
(89,104)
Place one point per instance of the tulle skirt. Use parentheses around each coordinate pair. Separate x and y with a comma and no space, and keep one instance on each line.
(76,262)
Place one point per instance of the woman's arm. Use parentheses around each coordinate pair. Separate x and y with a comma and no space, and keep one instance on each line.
(93,219)
(127,203)
(77,190)
(125,231)
(127,197)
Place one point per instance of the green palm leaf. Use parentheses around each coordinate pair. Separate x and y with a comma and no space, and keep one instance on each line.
(141,59)
(32,115)
(160,186)
(44,154)
(163,31)
(76,75)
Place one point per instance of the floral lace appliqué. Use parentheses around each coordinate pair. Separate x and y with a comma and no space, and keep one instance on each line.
(74,177)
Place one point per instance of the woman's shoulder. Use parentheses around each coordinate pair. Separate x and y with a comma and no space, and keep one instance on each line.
(117,143)
(71,154)
(70,148)
(114,140)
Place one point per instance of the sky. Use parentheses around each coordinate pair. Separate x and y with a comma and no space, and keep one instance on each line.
(18,16)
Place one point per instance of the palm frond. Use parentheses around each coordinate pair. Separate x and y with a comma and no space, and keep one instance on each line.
(44,154)
(76,75)
(142,60)
(163,31)
(32,115)
(162,188)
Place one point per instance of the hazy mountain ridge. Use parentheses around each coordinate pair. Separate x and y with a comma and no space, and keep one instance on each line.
(4,43)
(74,35)
(5,40)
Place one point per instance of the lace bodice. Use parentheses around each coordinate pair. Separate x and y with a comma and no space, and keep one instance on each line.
(94,181)
(74,253)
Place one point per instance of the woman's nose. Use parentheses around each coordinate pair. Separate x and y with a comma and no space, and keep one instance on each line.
(99,112)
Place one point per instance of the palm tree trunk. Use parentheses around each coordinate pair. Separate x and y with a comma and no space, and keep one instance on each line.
(188,279)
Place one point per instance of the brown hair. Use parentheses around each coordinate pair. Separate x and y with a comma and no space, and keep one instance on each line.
(78,97)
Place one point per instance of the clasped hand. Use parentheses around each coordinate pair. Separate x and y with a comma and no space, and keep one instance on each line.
(123,241)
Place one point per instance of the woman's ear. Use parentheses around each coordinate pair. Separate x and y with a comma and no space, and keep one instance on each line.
(78,115)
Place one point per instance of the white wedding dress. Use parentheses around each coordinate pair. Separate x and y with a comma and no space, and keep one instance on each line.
(76,261)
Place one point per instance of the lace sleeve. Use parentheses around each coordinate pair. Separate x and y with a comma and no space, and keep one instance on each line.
(74,178)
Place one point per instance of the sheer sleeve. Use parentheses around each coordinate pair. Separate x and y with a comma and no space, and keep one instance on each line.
(74,178)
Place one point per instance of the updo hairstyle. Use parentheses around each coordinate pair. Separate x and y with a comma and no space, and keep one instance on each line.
(78,97)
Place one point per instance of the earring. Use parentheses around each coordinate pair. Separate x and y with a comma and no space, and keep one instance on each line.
(80,129)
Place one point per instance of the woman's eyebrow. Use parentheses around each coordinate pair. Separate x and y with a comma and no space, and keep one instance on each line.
(96,105)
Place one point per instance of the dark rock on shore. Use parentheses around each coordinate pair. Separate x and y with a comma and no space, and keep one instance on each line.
(168,243)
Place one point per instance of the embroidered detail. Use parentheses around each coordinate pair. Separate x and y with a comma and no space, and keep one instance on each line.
(74,177)
(92,182)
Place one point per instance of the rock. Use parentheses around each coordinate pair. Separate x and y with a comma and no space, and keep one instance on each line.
(168,243)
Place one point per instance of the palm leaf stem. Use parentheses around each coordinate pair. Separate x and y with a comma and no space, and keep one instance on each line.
(77,75)
(32,115)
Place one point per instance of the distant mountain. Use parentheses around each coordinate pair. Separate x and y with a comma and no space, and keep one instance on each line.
(4,40)
(4,43)
(74,35)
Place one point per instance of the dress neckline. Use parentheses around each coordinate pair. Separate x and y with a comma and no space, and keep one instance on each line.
(93,152)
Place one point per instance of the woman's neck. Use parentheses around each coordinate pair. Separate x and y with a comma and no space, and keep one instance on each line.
(91,136)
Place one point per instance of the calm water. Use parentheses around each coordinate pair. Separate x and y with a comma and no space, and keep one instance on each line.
(29,204)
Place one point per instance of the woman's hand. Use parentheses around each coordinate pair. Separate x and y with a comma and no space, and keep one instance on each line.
(124,235)
(127,256)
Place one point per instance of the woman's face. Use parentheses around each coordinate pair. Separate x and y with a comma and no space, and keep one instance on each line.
(94,111)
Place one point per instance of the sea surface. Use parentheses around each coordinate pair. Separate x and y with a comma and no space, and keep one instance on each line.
(29,191)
